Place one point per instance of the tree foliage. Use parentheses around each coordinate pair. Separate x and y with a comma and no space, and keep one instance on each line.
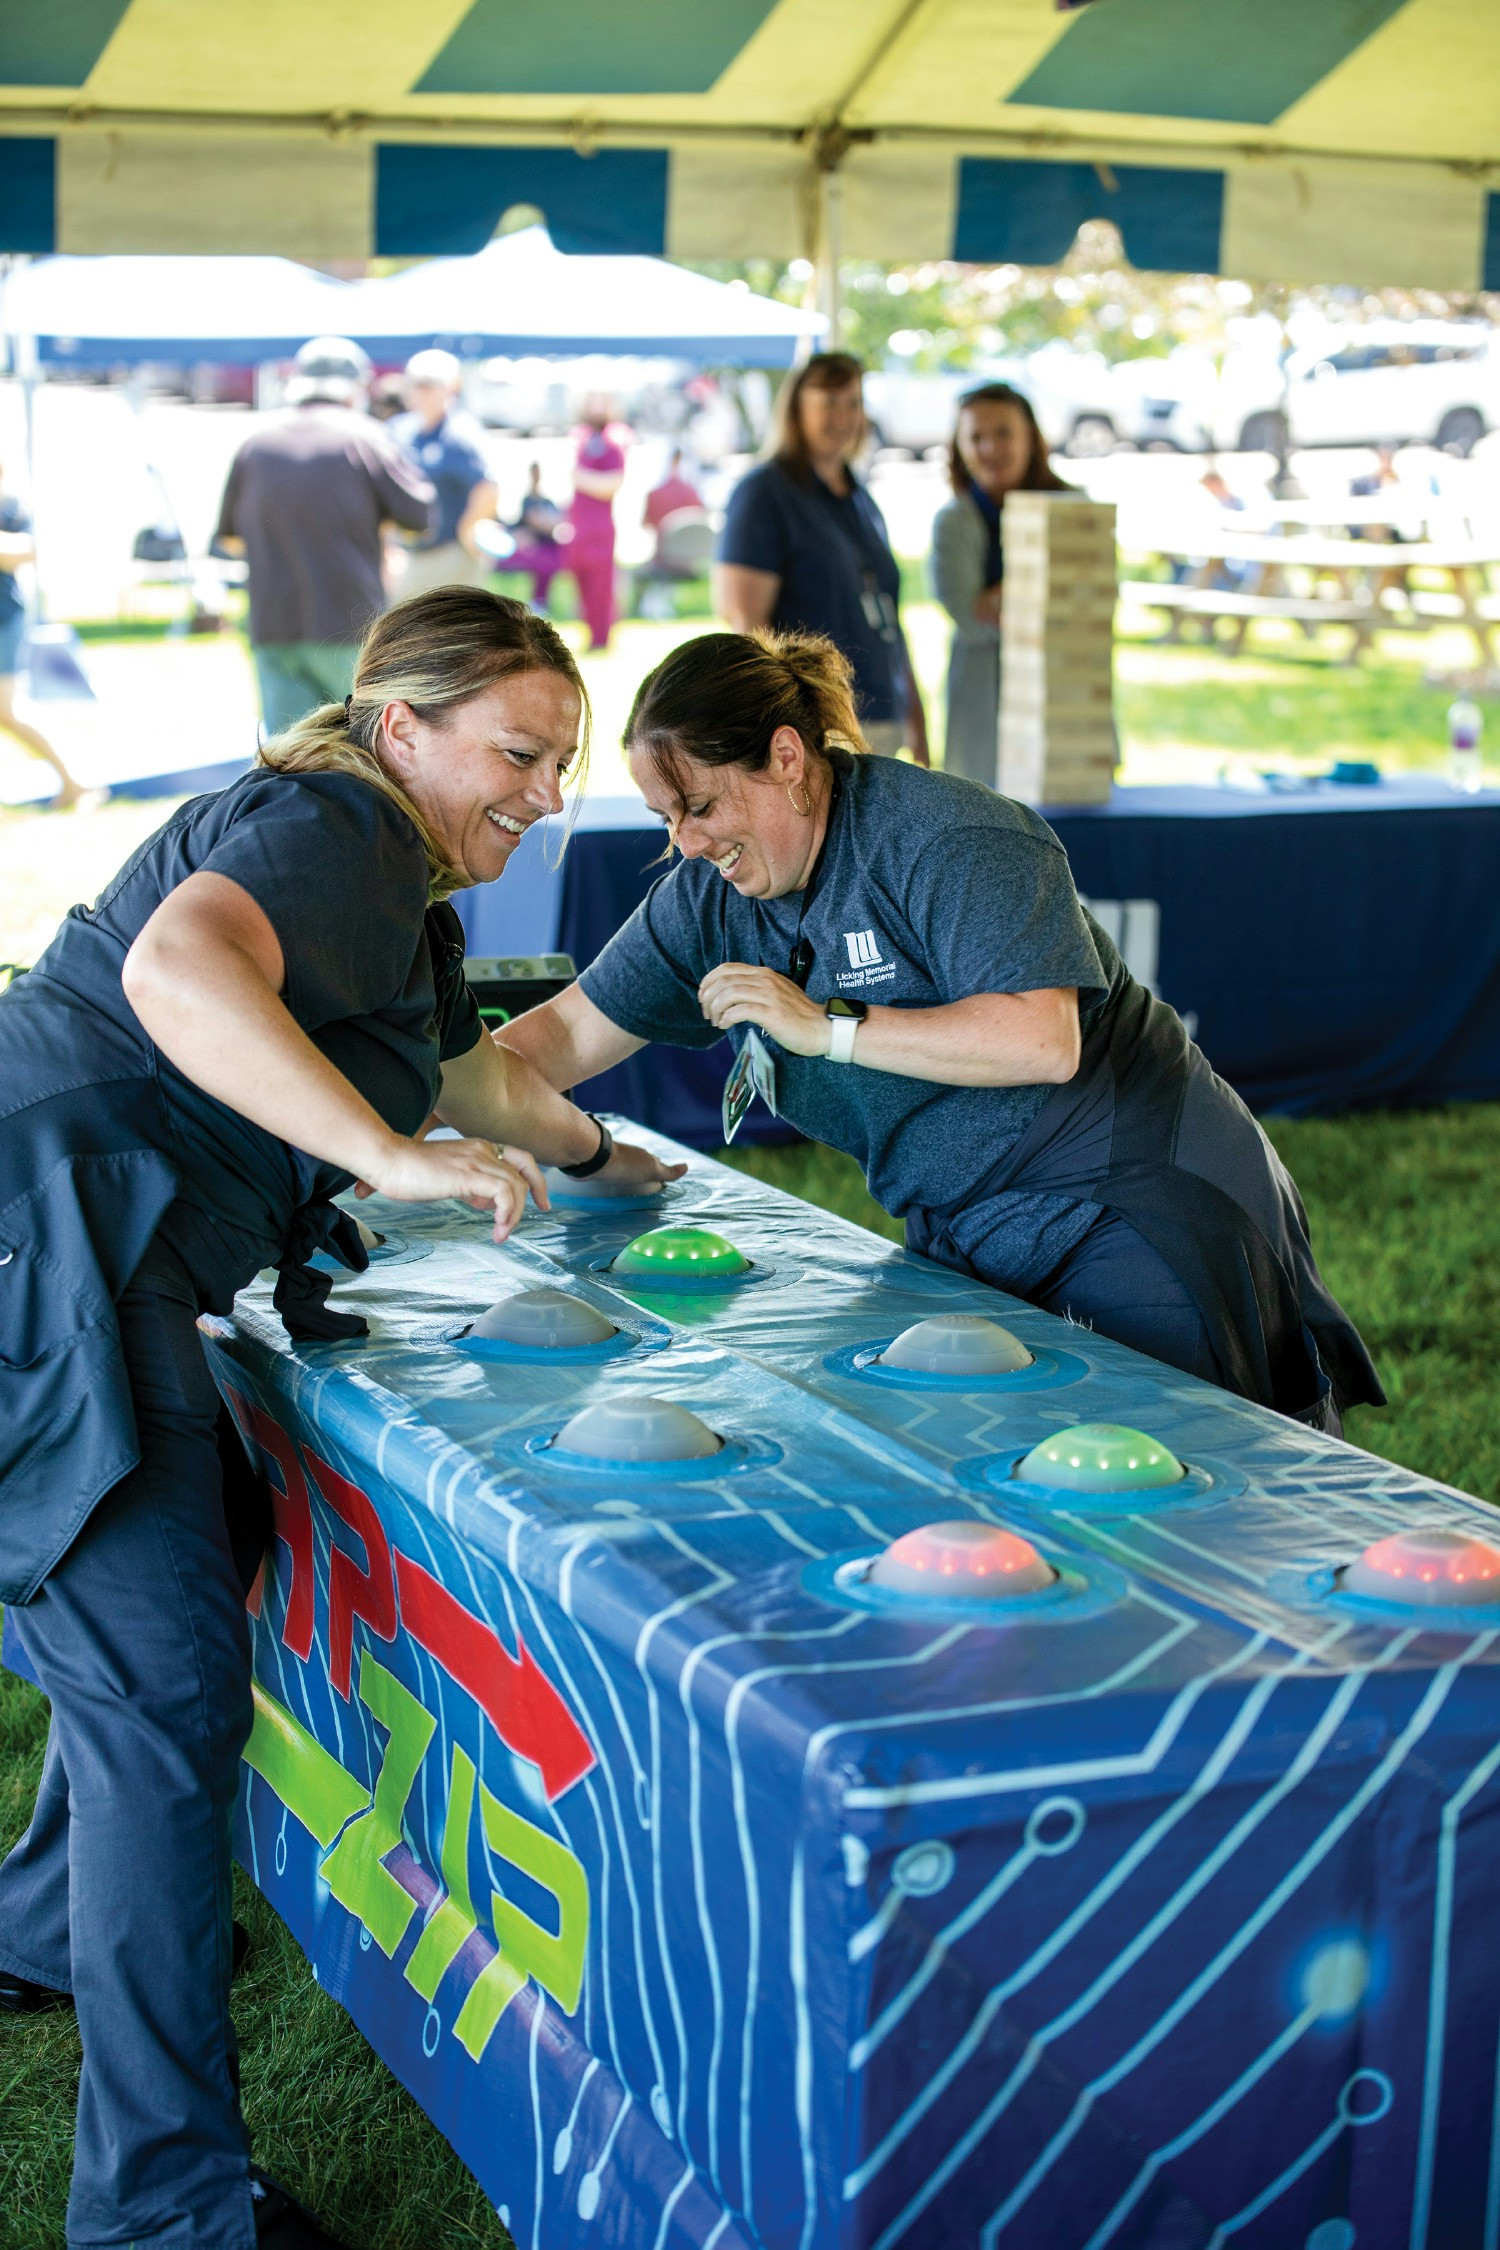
(942,314)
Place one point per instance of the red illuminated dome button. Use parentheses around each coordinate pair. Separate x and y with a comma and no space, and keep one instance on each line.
(1100,1457)
(1428,1564)
(964,1560)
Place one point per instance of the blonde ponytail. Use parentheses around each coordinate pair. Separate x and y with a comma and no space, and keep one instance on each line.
(432,652)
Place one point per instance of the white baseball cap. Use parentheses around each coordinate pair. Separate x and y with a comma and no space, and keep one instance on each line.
(328,367)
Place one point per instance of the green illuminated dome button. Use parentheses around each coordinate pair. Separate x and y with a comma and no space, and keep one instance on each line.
(1100,1457)
(681,1253)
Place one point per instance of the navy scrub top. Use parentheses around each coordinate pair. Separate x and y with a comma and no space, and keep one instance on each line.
(838,575)
(100,1135)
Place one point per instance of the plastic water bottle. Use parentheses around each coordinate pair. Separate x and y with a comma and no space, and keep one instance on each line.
(1465,726)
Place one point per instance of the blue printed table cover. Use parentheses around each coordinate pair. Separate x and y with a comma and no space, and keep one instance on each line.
(699,1904)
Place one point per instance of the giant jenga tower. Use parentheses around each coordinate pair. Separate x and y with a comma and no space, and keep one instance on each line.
(1057,728)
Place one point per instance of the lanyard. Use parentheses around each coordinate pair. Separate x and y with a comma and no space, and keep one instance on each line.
(800,965)
(879,607)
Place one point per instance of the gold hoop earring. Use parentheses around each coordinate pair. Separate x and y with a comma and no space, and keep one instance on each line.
(803,812)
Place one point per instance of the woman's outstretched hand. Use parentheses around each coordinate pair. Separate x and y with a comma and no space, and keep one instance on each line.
(473,1172)
(631,1166)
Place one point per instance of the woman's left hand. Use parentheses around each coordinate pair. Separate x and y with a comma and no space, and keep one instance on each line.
(736,993)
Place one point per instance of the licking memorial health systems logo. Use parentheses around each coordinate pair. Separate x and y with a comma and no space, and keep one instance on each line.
(866,967)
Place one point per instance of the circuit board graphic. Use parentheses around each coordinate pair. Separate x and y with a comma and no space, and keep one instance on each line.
(706,1893)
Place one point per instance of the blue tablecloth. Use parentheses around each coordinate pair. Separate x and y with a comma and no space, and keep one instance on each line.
(708,1900)
(1331,947)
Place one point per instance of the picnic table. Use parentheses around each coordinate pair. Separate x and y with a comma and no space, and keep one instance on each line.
(1318,580)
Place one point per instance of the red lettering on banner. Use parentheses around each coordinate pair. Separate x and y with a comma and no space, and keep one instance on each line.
(352,1592)
(523,1706)
(292,1512)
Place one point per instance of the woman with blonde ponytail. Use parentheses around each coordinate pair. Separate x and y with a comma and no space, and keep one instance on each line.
(263,1008)
(909,952)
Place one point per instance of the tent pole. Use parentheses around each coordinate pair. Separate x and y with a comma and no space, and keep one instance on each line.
(830,243)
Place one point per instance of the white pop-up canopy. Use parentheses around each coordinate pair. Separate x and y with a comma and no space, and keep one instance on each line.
(1318,140)
(521,296)
(92,312)
(518,296)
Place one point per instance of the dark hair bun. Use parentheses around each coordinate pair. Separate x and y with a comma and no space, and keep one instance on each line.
(718,701)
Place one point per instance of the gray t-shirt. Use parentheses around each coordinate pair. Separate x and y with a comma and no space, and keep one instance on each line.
(931,890)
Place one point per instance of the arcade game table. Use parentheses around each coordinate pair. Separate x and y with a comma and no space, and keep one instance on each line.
(934,1777)
(706,1889)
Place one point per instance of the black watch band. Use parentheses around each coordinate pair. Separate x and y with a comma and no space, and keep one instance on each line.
(597,1161)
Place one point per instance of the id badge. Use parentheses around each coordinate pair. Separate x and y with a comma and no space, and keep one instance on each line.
(762,1070)
(754,1073)
(739,1093)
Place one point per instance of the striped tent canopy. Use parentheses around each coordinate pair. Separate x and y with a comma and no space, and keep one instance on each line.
(1294,140)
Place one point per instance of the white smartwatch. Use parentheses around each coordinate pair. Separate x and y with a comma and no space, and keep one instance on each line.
(844,1020)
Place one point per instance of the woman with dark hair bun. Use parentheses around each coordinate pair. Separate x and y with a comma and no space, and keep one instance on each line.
(997,448)
(912,956)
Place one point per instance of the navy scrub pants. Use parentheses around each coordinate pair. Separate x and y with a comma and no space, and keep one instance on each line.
(121,1889)
(1114,1282)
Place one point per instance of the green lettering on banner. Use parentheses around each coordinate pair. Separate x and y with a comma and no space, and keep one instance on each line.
(525,1948)
(309,1781)
(453,1922)
(489,1996)
(353,1870)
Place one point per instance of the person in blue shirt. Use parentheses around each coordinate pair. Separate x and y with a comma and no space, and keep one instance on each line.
(804,549)
(937,1002)
(442,445)
(17,549)
(997,448)
(263,1007)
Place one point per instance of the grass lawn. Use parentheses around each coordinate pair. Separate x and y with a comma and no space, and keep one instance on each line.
(1404,1217)
(1407,1228)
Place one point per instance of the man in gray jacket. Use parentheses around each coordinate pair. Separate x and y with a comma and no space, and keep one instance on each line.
(307,496)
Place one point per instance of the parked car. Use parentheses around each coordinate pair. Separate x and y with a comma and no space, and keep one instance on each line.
(537,397)
(1069,390)
(912,413)
(1415,382)
(1166,403)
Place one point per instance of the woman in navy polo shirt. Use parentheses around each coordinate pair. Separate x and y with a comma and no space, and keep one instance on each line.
(938,1003)
(804,550)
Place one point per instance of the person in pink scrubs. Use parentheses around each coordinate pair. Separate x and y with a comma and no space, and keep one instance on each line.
(597,476)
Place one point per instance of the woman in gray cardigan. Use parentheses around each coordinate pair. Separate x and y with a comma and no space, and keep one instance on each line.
(997,448)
